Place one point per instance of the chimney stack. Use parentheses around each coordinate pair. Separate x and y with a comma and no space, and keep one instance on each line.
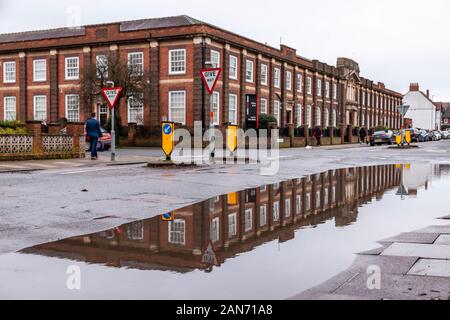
(414,87)
(428,93)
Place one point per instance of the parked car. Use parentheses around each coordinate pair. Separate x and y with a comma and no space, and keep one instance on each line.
(382,137)
(445,135)
(104,143)
(437,136)
(423,136)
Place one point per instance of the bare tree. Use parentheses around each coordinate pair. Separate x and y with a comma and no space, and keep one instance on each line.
(132,77)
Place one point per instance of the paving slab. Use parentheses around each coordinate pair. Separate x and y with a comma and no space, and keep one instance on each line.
(388,265)
(427,251)
(374,252)
(412,237)
(443,240)
(431,268)
(435,229)
(399,287)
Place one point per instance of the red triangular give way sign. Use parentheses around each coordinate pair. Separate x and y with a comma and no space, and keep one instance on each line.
(112,95)
(210,78)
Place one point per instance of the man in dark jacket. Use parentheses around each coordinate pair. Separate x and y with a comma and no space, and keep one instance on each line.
(93,132)
(362,136)
(318,133)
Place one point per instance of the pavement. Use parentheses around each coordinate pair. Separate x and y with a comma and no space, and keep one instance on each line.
(62,200)
(411,266)
(104,160)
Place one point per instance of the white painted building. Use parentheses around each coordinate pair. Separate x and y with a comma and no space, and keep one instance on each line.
(423,111)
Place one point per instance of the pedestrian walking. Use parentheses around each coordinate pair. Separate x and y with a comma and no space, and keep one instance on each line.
(93,133)
(318,133)
(362,136)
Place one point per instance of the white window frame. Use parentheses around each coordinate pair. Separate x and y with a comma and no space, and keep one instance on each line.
(216,55)
(137,69)
(177,72)
(249,70)
(35,98)
(9,78)
(326,118)
(68,96)
(6,106)
(232,225)
(141,107)
(298,204)
(264,74)
(76,75)
(248,220)
(318,117)
(334,118)
(287,208)
(288,80)
(266,106)
(308,202)
(36,77)
(318,199)
(233,67)
(233,107)
(299,82)
(309,116)
(327,90)
(215,230)
(263,215)
(216,108)
(299,115)
(182,233)
(319,87)
(98,59)
(276,211)
(277,78)
(135,231)
(276,111)
(335,89)
(170,104)
(309,85)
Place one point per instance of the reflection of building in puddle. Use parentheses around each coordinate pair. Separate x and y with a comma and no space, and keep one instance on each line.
(234,223)
(419,176)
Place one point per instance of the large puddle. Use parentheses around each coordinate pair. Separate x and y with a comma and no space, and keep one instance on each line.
(267,243)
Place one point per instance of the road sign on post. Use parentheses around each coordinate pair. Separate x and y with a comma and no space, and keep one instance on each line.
(210,78)
(168,141)
(209,257)
(111,96)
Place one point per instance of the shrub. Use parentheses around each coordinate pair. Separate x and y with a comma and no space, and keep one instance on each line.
(265,119)
(12,127)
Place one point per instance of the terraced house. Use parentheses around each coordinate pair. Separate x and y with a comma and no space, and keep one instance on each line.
(41,73)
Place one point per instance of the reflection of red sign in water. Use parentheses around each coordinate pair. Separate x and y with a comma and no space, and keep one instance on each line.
(209,257)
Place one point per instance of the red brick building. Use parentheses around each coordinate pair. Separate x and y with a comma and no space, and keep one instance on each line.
(40,74)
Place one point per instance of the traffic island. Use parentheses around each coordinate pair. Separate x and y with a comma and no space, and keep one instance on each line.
(408,147)
(170,164)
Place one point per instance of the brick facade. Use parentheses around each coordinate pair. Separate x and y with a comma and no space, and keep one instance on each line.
(155,38)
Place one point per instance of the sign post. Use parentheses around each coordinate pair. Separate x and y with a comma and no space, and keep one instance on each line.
(111,96)
(168,141)
(403,110)
(210,78)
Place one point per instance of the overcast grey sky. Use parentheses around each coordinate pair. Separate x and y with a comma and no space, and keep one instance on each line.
(396,42)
